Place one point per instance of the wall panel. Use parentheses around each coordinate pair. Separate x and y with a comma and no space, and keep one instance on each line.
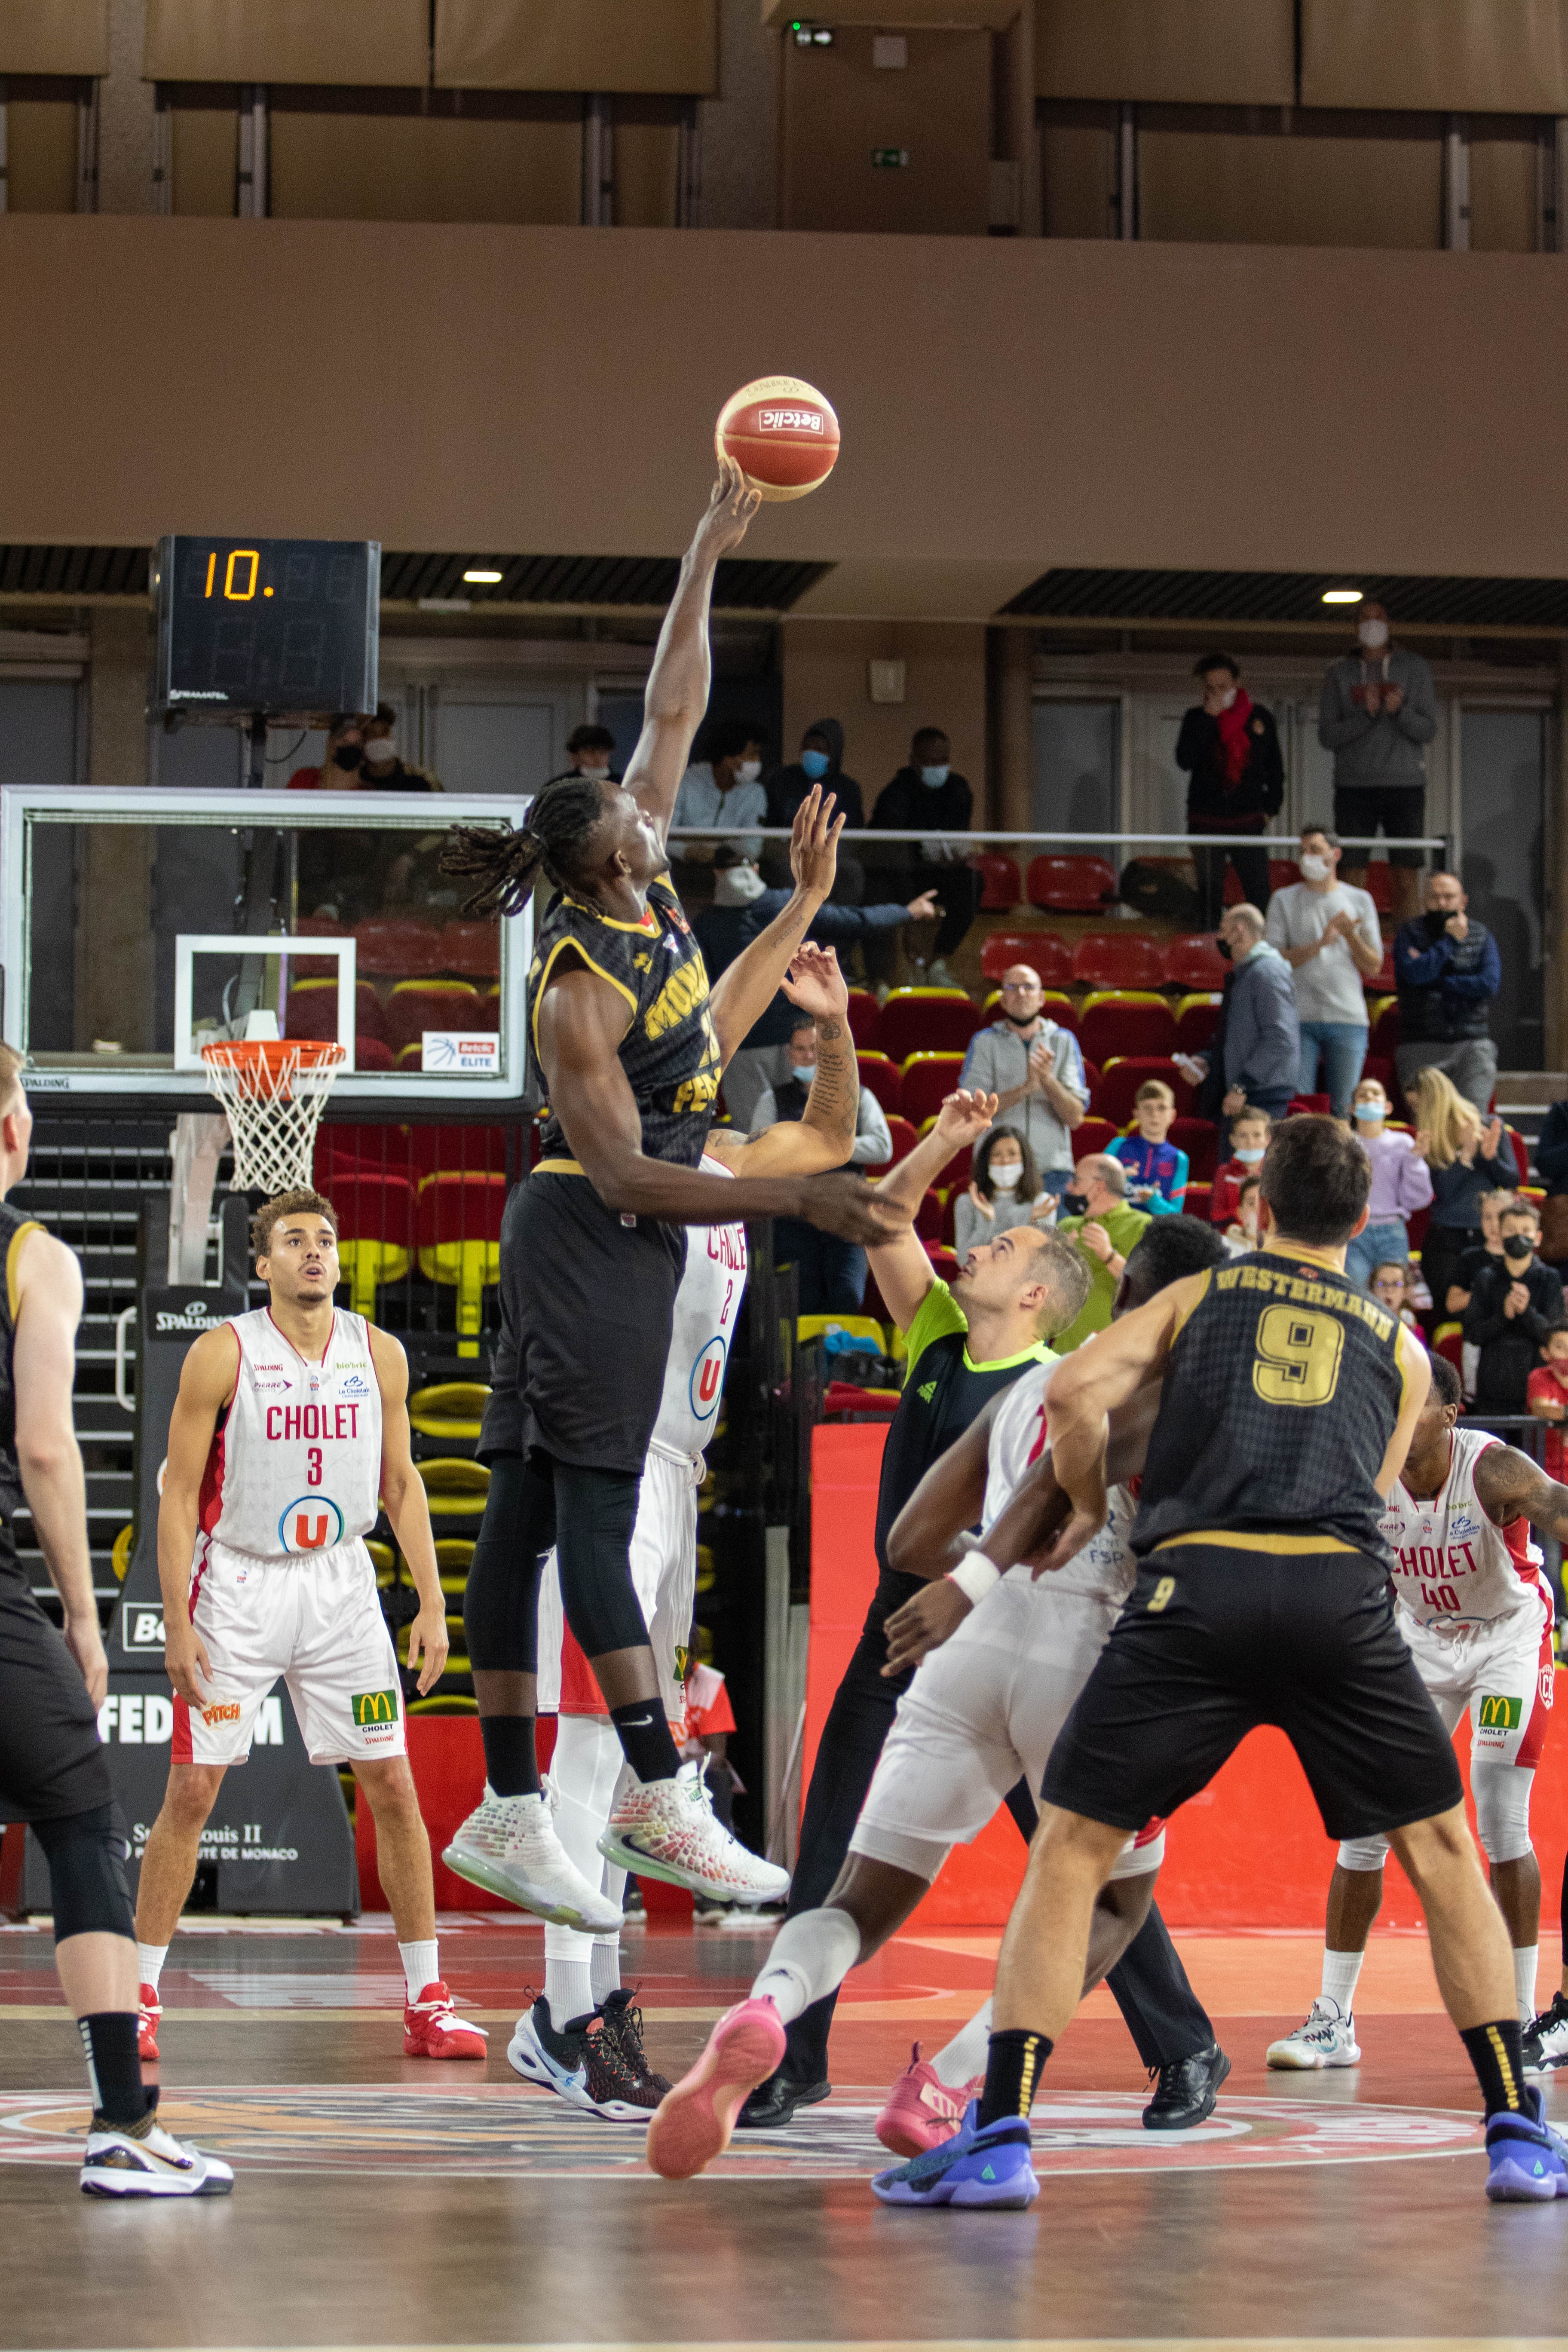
(207,158)
(654,46)
(647,162)
(1492,56)
(1503,158)
(408,166)
(1219,52)
(373,44)
(1337,179)
(1079,170)
(54,37)
(840,110)
(41,151)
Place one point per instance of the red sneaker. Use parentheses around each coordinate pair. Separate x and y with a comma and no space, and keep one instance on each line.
(147,2018)
(693,2122)
(922,2112)
(432,2028)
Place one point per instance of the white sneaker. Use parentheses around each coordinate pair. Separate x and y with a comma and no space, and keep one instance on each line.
(150,2164)
(1546,2039)
(509,1845)
(1326,2039)
(666,1828)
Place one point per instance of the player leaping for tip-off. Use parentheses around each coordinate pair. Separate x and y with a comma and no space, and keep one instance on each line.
(291,1422)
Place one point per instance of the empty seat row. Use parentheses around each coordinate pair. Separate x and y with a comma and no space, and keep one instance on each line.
(310,1010)
(449,1223)
(1078,885)
(404,947)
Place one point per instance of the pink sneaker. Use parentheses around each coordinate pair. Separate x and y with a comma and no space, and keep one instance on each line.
(922,2113)
(692,2122)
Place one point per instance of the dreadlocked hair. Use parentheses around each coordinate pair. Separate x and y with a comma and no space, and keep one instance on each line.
(554,842)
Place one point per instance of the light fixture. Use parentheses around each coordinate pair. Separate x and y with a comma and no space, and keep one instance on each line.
(1330,595)
(482,579)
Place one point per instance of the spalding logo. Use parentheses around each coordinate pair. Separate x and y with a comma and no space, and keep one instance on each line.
(789,420)
(314,1523)
(708,1380)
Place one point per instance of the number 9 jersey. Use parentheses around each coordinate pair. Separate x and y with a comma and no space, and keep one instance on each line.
(295,1465)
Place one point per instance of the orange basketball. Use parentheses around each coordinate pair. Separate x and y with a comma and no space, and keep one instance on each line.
(781,433)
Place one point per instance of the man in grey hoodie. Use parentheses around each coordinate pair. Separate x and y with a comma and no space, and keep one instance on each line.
(1376,713)
(1262,1040)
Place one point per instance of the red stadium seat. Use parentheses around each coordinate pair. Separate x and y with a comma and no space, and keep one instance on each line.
(944,1261)
(363,1144)
(926,1020)
(1092,1135)
(879,1076)
(375,1216)
(1448,1339)
(1197,1200)
(904,1140)
(1197,1017)
(1194,961)
(311,1010)
(373,1053)
(1520,1153)
(1113,1098)
(1384,1034)
(420,1004)
(1122,1021)
(1043,950)
(1199,1138)
(927,1080)
(1072,886)
(1380,981)
(928,1218)
(316,927)
(1001,885)
(865,1018)
(470,950)
(1379,885)
(397,946)
(462,1151)
(457,1222)
(1118,959)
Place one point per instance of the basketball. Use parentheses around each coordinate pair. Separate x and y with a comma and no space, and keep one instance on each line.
(781,433)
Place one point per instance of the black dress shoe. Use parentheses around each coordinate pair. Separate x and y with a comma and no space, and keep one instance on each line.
(773,2103)
(1187,2091)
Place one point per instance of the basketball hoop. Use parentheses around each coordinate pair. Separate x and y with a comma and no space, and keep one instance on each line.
(273,1092)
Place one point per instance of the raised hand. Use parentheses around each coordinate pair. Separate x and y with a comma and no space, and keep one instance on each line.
(965,1116)
(814,842)
(815,983)
(845,1205)
(729,509)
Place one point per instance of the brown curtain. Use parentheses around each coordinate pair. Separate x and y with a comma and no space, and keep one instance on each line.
(382,44)
(1332,179)
(1489,57)
(1186,52)
(365,166)
(54,37)
(650,46)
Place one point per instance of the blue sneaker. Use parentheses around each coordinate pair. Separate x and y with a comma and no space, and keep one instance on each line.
(975,2168)
(1528,2160)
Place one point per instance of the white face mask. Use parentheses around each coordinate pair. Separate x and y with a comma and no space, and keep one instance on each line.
(748,771)
(595,775)
(737,886)
(1315,870)
(1227,698)
(1373,635)
(1005,1178)
(379,751)
(935,777)
(804,1072)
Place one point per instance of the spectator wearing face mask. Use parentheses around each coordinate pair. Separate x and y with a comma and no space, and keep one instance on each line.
(1328,935)
(1401,1183)
(1447,970)
(1260,1048)
(928,796)
(1034,1069)
(590,752)
(821,761)
(1249,1132)
(1512,1308)
(1004,1191)
(1097,1215)
(743,907)
(361,755)
(1230,748)
(1376,712)
(723,790)
(830,1273)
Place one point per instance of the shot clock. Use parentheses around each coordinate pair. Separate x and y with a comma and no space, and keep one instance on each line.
(280,626)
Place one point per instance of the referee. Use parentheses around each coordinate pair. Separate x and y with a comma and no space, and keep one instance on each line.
(1289,1400)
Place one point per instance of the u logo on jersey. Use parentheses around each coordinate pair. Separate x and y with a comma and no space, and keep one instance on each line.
(708,1380)
(314,1523)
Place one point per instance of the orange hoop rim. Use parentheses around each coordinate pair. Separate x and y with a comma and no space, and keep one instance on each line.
(263,1064)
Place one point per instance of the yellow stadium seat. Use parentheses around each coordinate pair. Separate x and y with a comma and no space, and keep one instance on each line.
(454,1486)
(450,1410)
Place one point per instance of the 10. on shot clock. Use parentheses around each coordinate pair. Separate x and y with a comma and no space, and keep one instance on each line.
(266,626)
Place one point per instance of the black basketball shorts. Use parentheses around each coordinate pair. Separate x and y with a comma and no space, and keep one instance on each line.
(1214,1641)
(52,1763)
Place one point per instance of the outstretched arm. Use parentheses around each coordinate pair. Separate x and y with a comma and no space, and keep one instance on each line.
(742,993)
(903,1271)
(677,683)
(1510,1487)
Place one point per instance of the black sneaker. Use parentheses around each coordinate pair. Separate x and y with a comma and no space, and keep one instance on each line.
(1546,2039)
(580,2062)
(1186,2091)
(623,2027)
(774,2103)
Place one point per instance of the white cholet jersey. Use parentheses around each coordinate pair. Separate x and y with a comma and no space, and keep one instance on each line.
(706,1309)
(1454,1570)
(1105,1567)
(295,1468)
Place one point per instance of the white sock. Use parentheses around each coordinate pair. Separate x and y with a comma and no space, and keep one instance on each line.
(1525,1956)
(568,1987)
(150,1959)
(811,1956)
(421,1965)
(1341,1970)
(965,2056)
(605,1966)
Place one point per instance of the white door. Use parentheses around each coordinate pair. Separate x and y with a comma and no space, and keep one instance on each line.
(499,738)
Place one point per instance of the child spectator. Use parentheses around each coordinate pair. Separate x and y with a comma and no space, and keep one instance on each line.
(1390,1286)
(1487,1252)
(1156,1171)
(1546,1395)
(1401,1183)
(1242,1235)
(1249,1133)
(1511,1309)
(1004,1191)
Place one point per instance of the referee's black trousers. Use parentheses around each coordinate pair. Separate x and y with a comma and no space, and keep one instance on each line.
(1165,2017)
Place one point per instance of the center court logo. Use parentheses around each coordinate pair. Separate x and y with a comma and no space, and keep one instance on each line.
(707,1379)
(314,1523)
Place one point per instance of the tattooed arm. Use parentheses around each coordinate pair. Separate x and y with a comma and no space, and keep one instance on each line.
(1510,1486)
(823,1136)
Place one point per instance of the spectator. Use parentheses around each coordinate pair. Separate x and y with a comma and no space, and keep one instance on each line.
(830,1273)
(1156,1168)
(1390,1285)
(1512,1307)
(1551,1157)
(1241,1234)
(1230,748)
(723,790)
(1004,1190)
(1034,1069)
(1262,1043)
(1328,935)
(360,756)
(1463,1158)
(1401,1183)
(1249,1132)
(930,798)
(1546,1395)
(820,762)
(1488,1249)
(590,752)
(1447,970)
(743,906)
(1377,709)
(1106,1228)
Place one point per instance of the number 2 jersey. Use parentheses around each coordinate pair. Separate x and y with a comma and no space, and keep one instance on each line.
(707,1308)
(1453,1568)
(295,1464)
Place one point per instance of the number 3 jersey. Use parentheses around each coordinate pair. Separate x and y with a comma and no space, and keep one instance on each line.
(295,1465)
(1454,1570)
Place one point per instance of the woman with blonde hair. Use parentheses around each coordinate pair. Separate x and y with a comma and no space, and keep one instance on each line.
(1463,1158)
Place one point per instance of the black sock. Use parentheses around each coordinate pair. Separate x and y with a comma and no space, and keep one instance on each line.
(512,1766)
(1496,2053)
(1013,2068)
(114,2069)
(643,1729)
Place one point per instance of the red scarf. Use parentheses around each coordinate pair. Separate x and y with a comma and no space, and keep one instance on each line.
(1233,738)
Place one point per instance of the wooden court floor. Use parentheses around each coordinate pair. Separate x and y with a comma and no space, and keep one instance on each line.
(392,2203)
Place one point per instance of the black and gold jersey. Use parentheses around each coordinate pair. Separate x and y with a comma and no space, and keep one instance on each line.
(1281,1392)
(14,1230)
(669,1051)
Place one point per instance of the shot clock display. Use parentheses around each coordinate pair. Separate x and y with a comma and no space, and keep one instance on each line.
(278,626)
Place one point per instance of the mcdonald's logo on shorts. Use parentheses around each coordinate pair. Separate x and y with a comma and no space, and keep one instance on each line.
(371,1707)
(1498,1714)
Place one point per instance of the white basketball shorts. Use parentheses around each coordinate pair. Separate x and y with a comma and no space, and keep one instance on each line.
(316,1621)
(1502,1675)
(982,1711)
(664,1577)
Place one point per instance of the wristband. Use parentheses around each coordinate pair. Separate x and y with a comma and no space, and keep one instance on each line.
(975,1576)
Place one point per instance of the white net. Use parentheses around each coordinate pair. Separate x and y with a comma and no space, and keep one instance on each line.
(273,1093)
